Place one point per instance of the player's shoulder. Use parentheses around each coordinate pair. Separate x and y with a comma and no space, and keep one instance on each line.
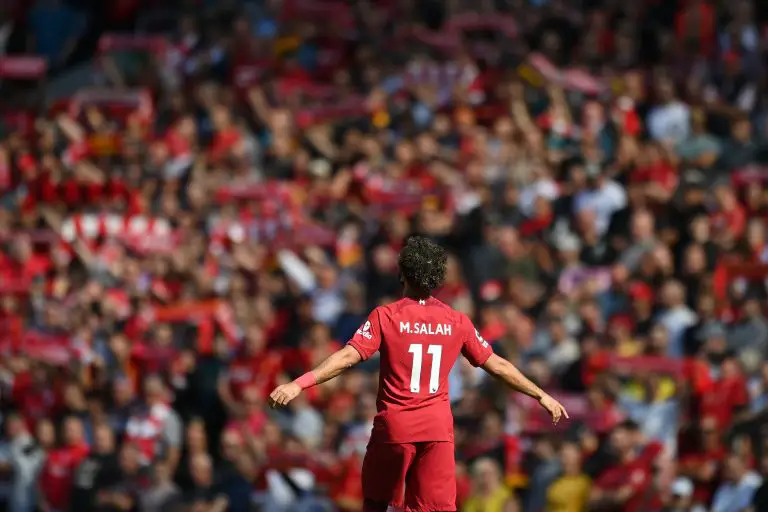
(394,306)
(454,316)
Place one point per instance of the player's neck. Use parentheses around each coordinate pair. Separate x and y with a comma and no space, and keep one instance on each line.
(408,293)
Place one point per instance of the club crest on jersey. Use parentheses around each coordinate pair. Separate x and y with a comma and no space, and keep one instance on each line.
(365,330)
(481,339)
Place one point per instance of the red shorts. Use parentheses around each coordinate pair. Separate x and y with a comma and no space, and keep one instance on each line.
(421,477)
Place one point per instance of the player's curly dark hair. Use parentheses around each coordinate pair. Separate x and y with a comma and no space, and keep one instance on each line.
(422,264)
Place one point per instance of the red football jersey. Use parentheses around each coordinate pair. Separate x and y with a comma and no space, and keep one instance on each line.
(56,477)
(419,342)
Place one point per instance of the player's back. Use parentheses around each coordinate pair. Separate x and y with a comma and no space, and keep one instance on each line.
(419,342)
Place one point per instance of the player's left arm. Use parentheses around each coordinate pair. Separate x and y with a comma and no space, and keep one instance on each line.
(479,353)
(332,367)
(514,378)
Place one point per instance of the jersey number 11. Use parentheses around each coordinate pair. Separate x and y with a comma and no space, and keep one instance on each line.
(417,350)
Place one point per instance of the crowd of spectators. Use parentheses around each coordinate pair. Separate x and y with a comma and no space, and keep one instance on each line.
(219,210)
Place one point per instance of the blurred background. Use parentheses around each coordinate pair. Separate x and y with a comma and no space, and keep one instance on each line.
(202,199)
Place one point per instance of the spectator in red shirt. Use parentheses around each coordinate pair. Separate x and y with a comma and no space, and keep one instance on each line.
(729,219)
(727,398)
(157,354)
(623,486)
(252,366)
(253,419)
(349,138)
(695,27)
(33,394)
(704,464)
(23,264)
(226,136)
(656,173)
(58,472)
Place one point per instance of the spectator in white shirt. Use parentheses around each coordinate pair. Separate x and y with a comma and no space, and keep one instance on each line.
(543,185)
(22,458)
(603,197)
(676,317)
(670,120)
(739,486)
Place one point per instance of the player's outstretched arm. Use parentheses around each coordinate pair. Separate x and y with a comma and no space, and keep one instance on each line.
(332,367)
(510,375)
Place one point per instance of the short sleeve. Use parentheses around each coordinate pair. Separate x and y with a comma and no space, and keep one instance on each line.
(475,349)
(367,338)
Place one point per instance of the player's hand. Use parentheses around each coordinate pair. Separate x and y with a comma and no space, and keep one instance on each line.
(554,408)
(282,395)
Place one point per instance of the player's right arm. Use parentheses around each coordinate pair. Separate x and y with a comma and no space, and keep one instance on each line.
(363,345)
